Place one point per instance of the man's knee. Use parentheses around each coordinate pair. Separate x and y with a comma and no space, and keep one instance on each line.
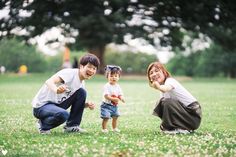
(62,116)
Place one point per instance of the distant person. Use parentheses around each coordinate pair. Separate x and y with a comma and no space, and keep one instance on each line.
(112,95)
(179,111)
(66,59)
(66,64)
(2,69)
(75,63)
(23,69)
(63,90)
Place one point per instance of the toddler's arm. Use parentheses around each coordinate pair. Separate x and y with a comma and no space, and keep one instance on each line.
(113,99)
(121,98)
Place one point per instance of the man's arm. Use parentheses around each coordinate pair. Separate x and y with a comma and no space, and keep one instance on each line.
(51,83)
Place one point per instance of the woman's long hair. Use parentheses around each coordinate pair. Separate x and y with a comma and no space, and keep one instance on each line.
(158,66)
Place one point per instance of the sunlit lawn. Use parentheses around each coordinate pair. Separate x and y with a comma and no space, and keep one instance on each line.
(140,134)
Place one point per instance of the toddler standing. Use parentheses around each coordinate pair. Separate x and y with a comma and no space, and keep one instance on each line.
(112,94)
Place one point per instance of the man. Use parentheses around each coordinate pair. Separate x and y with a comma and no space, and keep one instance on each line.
(63,90)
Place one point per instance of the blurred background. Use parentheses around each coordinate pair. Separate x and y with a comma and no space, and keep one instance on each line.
(193,38)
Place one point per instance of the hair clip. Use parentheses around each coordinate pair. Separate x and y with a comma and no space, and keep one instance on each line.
(113,67)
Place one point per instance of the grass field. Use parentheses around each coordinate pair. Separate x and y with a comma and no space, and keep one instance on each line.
(140,134)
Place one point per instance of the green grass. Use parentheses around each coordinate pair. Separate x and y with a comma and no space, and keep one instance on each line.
(140,134)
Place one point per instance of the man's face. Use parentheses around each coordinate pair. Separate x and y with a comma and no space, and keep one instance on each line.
(87,71)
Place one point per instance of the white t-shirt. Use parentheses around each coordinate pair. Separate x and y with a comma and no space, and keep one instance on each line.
(178,92)
(110,90)
(71,80)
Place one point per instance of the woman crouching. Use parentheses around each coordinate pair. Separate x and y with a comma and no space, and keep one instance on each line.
(179,111)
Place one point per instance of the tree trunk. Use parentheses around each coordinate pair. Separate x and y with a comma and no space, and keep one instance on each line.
(232,73)
(99,52)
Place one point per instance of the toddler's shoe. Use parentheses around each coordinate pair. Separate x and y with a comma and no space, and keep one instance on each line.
(74,129)
(105,131)
(116,130)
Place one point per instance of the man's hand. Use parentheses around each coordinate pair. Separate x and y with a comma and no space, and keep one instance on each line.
(90,105)
(61,89)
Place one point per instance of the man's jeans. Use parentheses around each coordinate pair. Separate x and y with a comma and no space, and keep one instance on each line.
(53,115)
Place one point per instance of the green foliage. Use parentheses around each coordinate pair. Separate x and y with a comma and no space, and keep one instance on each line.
(96,27)
(210,62)
(137,62)
(140,134)
(215,62)
(130,62)
(15,53)
(102,22)
(183,65)
(54,63)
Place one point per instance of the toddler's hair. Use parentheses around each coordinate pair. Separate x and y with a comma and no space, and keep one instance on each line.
(112,69)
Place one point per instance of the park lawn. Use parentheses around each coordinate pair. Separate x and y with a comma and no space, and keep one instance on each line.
(140,134)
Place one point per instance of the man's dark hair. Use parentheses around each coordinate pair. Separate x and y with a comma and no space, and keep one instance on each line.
(89,58)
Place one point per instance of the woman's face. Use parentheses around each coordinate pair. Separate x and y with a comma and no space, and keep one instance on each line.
(156,74)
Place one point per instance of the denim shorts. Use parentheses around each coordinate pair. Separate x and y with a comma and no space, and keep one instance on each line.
(109,110)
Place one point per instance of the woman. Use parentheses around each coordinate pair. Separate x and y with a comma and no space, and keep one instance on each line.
(178,109)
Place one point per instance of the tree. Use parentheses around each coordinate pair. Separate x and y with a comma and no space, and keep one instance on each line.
(215,19)
(100,22)
(15,53)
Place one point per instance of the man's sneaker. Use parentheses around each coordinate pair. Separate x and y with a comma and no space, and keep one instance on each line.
(116,130)
(74,129)
(44,132)
(38,124)
(105,131)
(39,127)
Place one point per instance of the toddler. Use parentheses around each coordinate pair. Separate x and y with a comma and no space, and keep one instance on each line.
(112,95)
